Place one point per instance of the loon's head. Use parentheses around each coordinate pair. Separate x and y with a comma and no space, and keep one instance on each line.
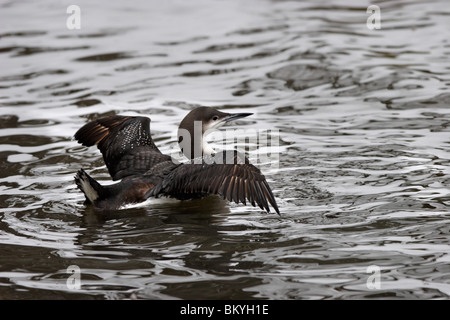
(197,124)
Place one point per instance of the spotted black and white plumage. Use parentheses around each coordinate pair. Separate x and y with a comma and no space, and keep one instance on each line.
(130,155)
(125,143)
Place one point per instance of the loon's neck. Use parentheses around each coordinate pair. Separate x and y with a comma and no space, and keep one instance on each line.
(192,141)
(206,148)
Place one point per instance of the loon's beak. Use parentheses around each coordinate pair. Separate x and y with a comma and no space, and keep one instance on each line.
(225,118)
(235,116)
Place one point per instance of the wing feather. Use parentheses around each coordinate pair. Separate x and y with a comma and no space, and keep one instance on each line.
(235,182)
(242,192)
(125,143)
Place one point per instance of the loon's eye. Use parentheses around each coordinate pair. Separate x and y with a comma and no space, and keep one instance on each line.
(215,118)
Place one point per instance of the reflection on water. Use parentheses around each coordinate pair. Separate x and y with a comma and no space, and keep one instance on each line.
(364,148)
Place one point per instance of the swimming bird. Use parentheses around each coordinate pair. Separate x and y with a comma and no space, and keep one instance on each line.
(132,157)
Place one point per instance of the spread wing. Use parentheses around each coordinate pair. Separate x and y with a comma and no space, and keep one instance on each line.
(125,143)
(240,182)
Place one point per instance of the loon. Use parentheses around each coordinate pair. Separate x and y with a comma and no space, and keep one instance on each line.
(132,157)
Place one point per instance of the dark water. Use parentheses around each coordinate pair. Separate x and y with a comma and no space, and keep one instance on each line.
(364,150)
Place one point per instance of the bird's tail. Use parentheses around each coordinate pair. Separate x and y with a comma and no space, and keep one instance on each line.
(90,187)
